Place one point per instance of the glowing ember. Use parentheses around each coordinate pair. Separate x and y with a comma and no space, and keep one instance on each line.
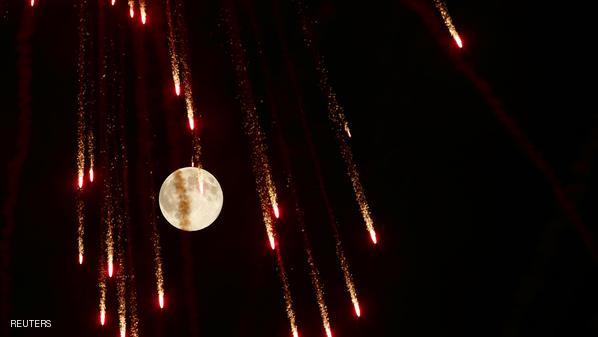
(373,236)
(357,309)
(143,17)
(161,300)
(177,88)
(328,332)
(132,14)
(110,269)
(276,211)
(272,243)
(80,258)
(32,3)
(80,181)
(191,123)
(458,40)
(102,317)
(91,174)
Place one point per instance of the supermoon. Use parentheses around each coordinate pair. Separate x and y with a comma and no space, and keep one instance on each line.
(190,198)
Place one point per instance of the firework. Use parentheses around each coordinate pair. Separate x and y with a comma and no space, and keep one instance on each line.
(80,228)
(448,22)
(102,288)
(339,124)
(32,3)
(340,255)
(132,8)
(142,11)
(174,58)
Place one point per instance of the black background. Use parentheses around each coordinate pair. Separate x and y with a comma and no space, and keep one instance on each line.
(472,239)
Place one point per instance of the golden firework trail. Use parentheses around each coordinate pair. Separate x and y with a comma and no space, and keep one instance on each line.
(102,288)
(159,273)
(183,53)
(260,162)
(81,97)
(314,275)
(143,11)
(90,153)
(80,228)
(340,125)
(121,293)
(133,317)
(109,228)
(259,157)
(286,291)
(448,22)
(174,59)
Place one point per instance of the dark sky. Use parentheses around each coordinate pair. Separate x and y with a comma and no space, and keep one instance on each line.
(478,197)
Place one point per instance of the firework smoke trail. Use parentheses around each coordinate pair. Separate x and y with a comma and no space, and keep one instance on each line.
(260,163)
(80,228)
(174,58)
(448,22)
(340,254)
(339,123)
(143,11)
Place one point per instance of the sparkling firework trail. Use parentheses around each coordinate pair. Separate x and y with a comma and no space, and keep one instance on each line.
(448,22)
(174,59)
(90,152)
(260,162)
(102,288)
(121,293)
(339,123)
(340,255)
(80,228)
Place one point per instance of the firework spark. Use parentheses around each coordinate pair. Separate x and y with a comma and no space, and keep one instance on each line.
(113,2)
(448,21)
(32,3)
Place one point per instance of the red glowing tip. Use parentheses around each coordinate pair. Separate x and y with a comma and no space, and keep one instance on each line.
(458,41)
(32,3)
(272,243)
(177,89)
(276,211)
(295,333)
(102,317)
(110,269)
(143,18)
(132,12)
(161,300)
(80,258)
(357,309)
(123,332)
(91,174)
(191,123)
(373,236)
(80,181)
(328,332)
(113,2)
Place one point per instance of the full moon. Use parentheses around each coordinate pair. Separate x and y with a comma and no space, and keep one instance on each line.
(190,198)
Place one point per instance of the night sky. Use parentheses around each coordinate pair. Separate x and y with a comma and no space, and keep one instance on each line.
(478,165)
